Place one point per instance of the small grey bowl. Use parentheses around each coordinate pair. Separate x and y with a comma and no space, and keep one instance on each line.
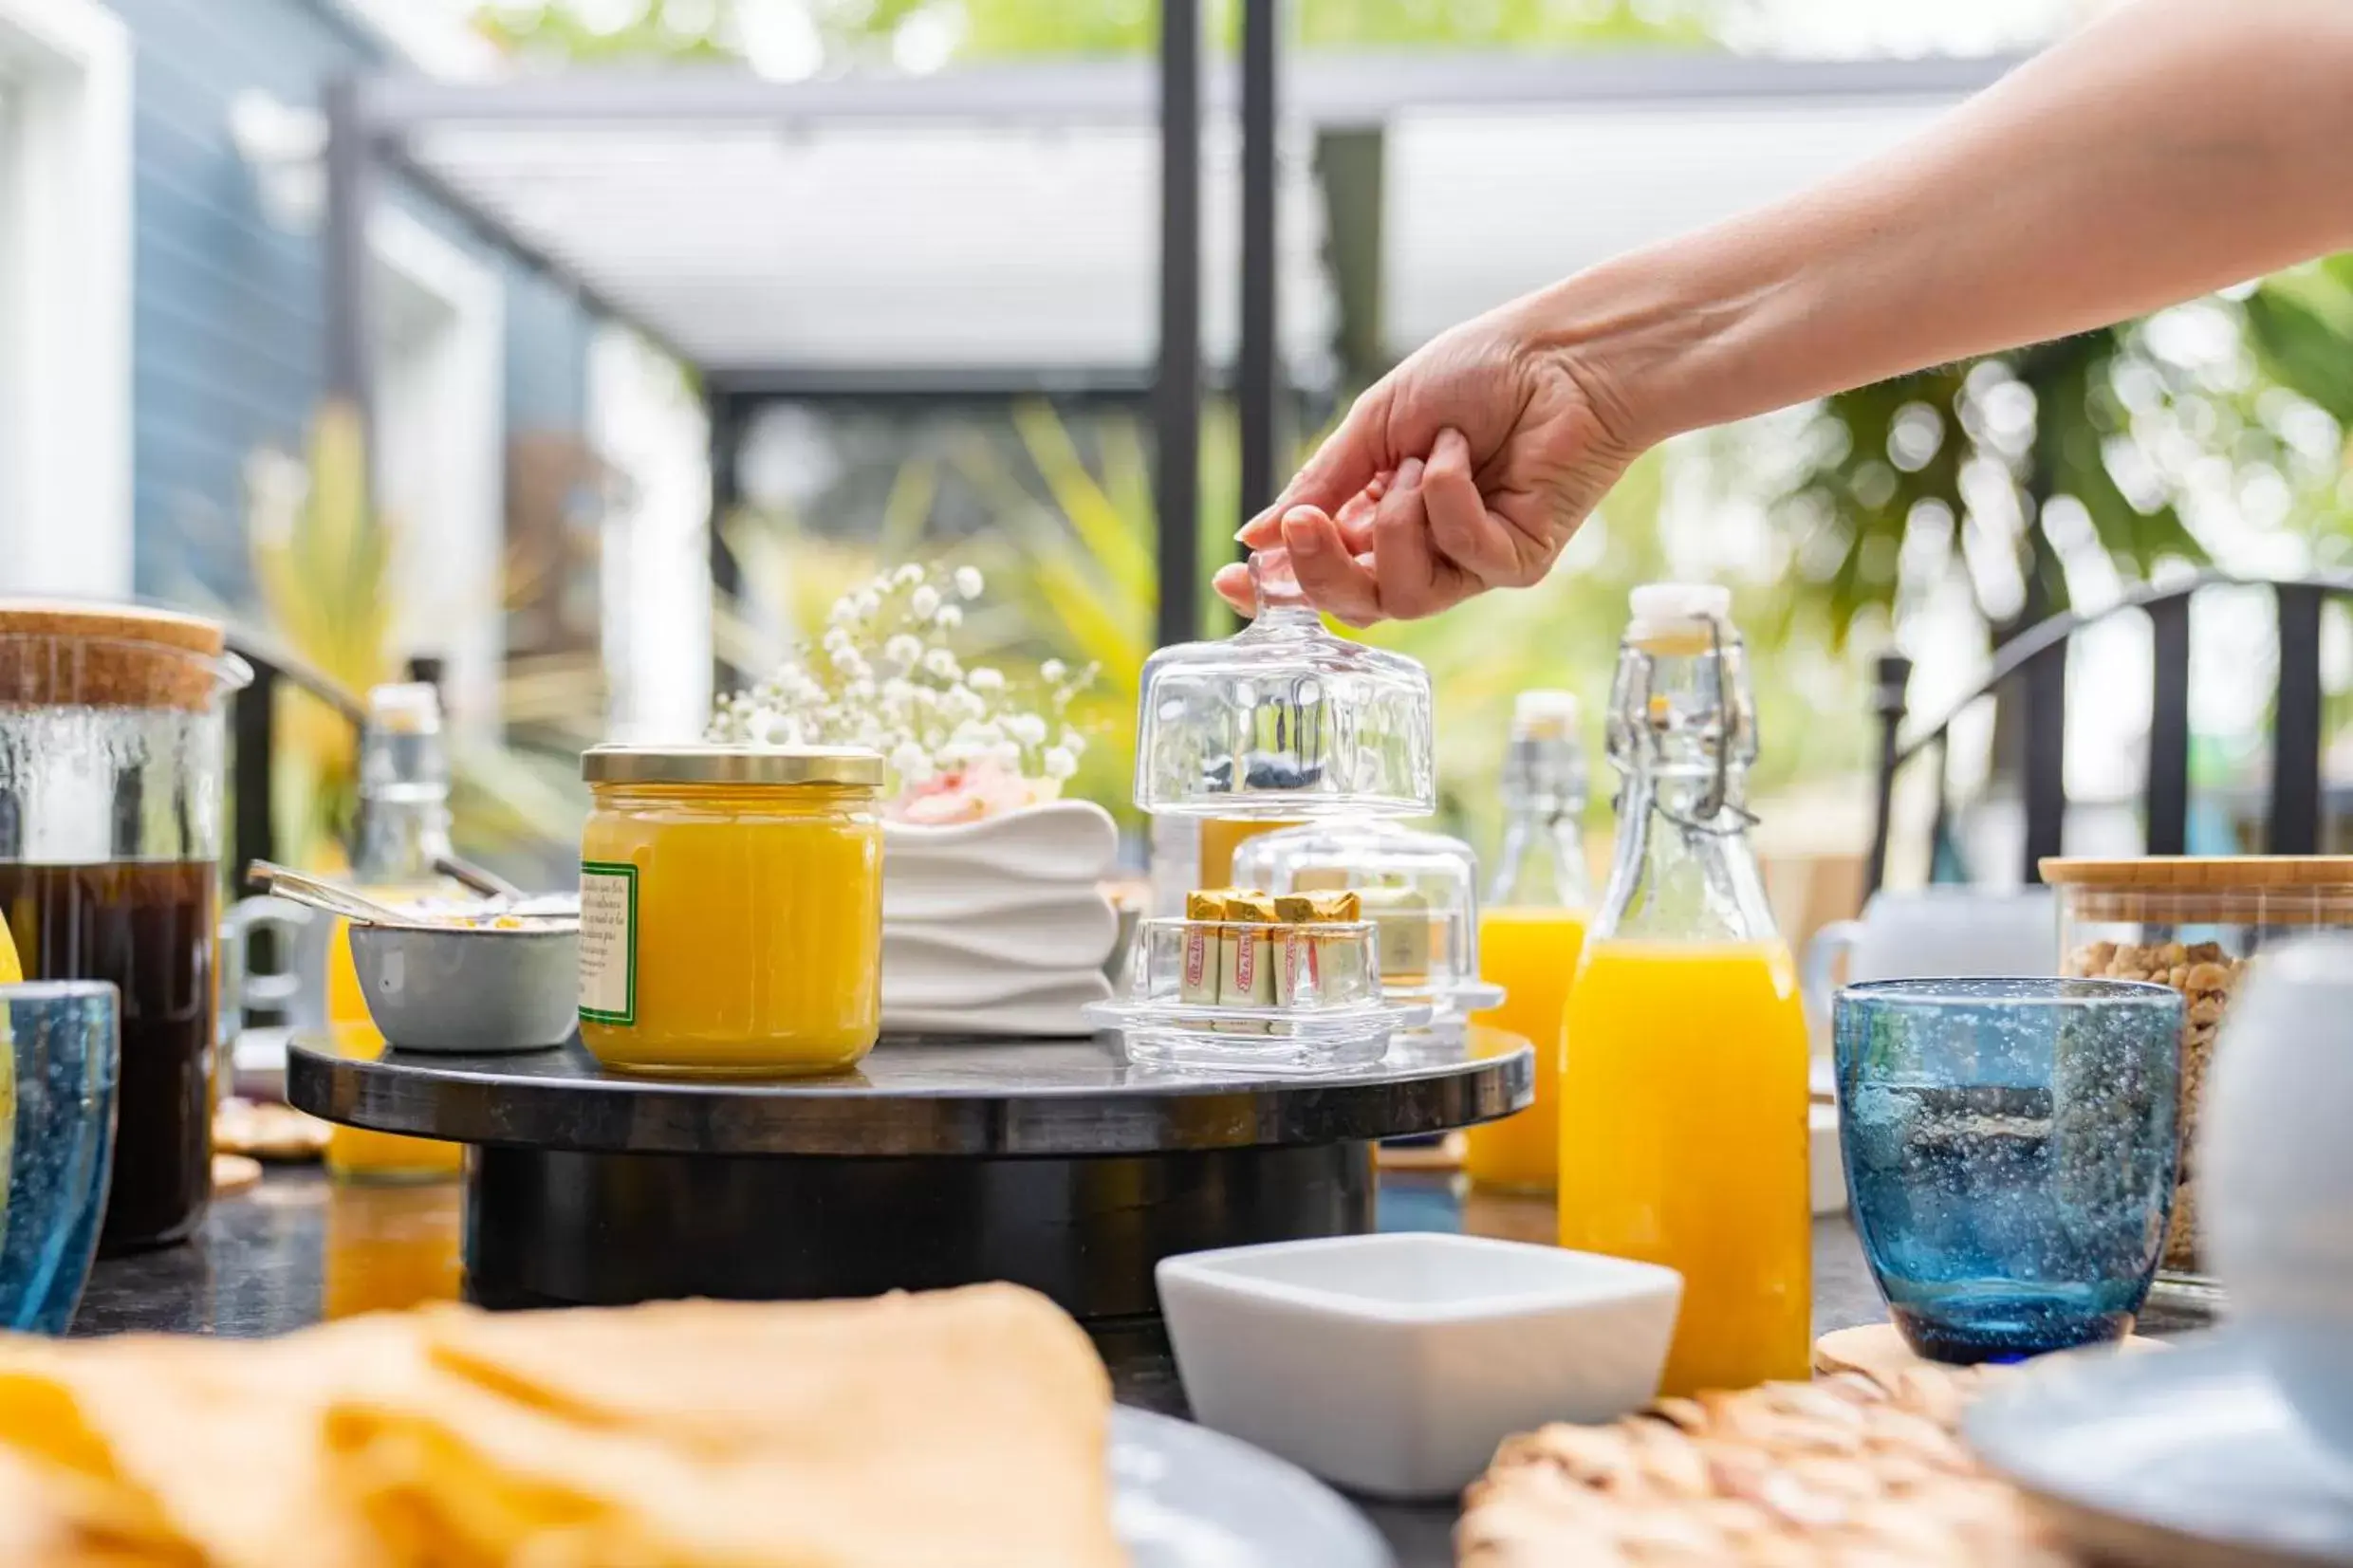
(469,991)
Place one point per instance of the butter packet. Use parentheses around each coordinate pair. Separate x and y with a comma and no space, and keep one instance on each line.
(1197,980)
(1246,968)
(1320,968)
(1405,930)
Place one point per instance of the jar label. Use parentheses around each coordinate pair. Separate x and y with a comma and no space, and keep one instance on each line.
(609,941)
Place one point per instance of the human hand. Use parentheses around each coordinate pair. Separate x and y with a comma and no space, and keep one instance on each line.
(1465,468)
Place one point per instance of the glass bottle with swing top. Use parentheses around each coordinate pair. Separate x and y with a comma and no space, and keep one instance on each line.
(1683,1088)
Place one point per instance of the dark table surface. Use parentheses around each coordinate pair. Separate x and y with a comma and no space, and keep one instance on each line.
(299,1248)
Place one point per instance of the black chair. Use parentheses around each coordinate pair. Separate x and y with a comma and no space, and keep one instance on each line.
(2035,660)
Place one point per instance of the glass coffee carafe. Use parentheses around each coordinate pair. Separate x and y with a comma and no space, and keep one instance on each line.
(111,742)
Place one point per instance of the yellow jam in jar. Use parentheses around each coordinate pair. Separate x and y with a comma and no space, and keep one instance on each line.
(731,910)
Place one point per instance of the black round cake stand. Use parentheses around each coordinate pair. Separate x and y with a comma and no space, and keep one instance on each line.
(1051,1163)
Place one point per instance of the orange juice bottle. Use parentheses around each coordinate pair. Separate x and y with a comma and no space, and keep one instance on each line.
(1531,930)
(1683,1076)
(404,826)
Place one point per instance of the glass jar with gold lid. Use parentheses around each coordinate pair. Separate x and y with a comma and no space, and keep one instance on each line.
(730,909)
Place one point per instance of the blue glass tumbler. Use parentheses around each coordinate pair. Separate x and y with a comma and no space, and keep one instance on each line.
(2010,1155)
(65,1053)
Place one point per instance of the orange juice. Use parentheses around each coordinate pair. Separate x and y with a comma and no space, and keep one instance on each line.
(354,1152)
(1532,954)
(389,1248)
(1684,1142)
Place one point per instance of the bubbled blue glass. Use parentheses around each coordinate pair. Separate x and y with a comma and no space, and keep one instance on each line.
(2010,1155)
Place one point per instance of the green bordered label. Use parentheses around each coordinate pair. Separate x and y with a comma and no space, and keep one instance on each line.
(609,941)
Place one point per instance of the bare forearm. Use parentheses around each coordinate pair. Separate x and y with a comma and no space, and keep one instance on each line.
(2176,147)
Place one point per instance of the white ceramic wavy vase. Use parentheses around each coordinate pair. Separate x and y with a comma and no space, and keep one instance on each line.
(1000,927)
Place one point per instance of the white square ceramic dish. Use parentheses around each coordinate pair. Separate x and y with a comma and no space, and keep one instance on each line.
(1393,1364)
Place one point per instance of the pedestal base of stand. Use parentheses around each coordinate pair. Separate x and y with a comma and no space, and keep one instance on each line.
(558,1229)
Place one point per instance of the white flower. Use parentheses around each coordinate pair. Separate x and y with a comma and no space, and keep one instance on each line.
(836,639)
(1060,761)
(962,702)
(869,604)
(907,576)
(845,610)
(1052,671)
(912,762)
(1072,742)
(861,691)
(902,652)
(980,731)
(924,602)
(985,679)
(758,728)
(967,582)
(1007,754)
(850,664)
(1027,727)
(927,696)
(942,663)
(949,619)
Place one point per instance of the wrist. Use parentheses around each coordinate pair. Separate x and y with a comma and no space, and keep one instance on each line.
(1668,338)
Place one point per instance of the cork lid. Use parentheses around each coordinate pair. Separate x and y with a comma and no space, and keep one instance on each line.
(2189,872)
(77,653)
(2254,890)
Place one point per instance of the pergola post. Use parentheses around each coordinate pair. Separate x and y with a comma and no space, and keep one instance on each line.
(1258,389)
(1177,385)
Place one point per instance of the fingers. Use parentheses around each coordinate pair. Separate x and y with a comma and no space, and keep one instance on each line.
(1329,572)
(1414,580)
(1462,530)
(1233,583)
(1343,466)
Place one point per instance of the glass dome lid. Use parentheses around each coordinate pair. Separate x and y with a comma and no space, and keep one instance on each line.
(1420,891)
(1284,721)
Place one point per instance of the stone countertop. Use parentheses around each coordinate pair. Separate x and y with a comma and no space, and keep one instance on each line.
(299,1248)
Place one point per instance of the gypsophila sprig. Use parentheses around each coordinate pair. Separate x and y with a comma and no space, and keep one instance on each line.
(883,677)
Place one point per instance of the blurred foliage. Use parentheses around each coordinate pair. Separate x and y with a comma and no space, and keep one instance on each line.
(323,567)
(2021,473)
(829,34)
(1068,547)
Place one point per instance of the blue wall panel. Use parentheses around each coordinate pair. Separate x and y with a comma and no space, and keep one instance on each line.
(228,319)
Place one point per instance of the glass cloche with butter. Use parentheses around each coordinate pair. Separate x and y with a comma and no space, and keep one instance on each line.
(1418,889)
(1284,721)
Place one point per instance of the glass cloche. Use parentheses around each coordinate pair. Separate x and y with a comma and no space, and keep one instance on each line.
(1284,721)
(1419,890)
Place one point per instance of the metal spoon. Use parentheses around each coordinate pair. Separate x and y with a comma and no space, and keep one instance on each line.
(336,899)
(480,878)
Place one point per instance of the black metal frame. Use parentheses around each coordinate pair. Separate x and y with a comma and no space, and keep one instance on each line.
(371,120)
(2036,660)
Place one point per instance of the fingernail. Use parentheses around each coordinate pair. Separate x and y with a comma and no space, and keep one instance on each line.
(1303,541)
(1450,434)
(1409,474)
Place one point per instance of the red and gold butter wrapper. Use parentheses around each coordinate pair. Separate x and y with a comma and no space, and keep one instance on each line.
(1196,979)
(1247,957)
(1320,968)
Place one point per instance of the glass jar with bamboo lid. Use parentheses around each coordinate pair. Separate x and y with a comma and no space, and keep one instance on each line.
(2191,922)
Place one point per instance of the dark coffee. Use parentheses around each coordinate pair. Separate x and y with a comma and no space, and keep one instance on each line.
(147,926)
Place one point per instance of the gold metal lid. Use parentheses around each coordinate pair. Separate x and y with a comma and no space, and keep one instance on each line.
(841,766)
